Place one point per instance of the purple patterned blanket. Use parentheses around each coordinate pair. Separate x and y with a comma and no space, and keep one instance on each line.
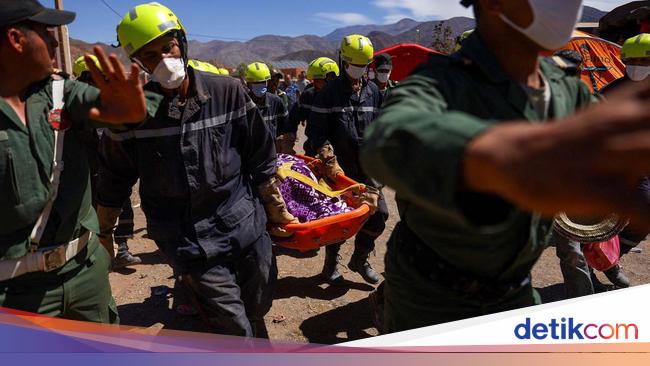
(303,201)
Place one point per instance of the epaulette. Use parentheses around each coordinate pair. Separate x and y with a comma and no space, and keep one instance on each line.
(565,65)
(58,74)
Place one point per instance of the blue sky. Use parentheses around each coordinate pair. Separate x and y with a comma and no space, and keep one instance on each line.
(245,19)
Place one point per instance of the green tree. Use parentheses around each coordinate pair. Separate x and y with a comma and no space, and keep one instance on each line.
(443,38)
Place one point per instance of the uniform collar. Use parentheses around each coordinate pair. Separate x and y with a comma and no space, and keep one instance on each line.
(347,87)
(33,96)
(476,51)
(267,100)
(198,85)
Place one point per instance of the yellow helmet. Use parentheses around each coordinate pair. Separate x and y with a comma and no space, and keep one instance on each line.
(320,67)
(462,38)
(257,72)
(143,24)
(224,71)
(203,66)
(80,65)
(357,50)
(636,47)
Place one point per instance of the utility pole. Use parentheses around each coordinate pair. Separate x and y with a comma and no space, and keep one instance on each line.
(417,36)
(64,43)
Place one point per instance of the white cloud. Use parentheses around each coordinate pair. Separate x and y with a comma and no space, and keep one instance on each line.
(422,9)
(395,17)
(605,5)
(445,9)
(344,19)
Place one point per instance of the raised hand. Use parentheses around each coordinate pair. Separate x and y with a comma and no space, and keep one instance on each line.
(122,96)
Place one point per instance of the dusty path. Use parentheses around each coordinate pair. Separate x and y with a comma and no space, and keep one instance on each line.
(304,309)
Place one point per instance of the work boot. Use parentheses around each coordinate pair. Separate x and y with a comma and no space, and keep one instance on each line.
(359,263)
(616,277)
(330,268)
(125,259)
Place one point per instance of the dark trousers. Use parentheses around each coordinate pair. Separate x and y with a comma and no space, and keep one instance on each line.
(364,242)
(124,229)
(236,294)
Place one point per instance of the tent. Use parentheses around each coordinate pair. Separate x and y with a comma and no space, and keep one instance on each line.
(406,57)
(601,59)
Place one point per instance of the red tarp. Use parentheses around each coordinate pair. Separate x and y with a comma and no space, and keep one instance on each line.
(602,60)
(406,57)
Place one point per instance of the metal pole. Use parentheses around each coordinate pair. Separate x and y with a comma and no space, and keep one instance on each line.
(64,42)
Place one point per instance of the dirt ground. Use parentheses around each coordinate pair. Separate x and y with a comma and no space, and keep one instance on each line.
(304,309)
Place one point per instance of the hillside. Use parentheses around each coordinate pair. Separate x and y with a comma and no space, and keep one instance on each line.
(307,47)
(391,29)
(307,55)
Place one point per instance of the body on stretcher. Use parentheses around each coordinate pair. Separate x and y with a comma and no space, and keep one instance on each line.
(313,234)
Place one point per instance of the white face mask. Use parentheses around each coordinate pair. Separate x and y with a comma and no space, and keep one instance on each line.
(259,90)
(170,73)
(355,72)
(553,22)
(637,73)
(383,77)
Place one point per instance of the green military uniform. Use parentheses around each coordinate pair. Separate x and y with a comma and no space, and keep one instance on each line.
(79,289)
(456,254)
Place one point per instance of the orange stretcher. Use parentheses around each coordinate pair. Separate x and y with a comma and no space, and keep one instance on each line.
(312,235)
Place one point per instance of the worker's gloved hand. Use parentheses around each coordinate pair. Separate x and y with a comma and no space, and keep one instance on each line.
(107,217)
(276,209)
(331,166)
(369,196)
(285,143)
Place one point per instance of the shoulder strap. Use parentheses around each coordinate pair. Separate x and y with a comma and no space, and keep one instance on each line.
(57,166)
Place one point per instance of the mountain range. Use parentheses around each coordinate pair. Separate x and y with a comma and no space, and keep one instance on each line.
(269,48)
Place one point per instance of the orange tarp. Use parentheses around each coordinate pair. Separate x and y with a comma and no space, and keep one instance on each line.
(601,59)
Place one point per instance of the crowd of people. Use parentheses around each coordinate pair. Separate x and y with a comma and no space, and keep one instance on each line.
(478,174)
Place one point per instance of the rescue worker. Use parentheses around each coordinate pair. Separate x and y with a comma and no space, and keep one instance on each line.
(90,137)
(271,107)
(461,38)
(205,161)
(204,66)
(383,67)
(320,71)
(51,262)
(274,88)
(467,240)
(635,54)
(341,112)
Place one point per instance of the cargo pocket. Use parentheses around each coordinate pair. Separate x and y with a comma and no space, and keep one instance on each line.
(12,179)
(241,210)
